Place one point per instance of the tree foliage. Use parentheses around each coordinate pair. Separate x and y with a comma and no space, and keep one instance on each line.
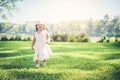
(7,7)
(106,26)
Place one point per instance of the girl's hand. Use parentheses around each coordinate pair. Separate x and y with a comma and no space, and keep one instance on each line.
(32,48)
(46,42)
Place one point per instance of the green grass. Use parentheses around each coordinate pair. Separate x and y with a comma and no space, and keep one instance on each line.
(69,61)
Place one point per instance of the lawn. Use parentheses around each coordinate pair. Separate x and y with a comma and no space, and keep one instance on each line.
(69,61)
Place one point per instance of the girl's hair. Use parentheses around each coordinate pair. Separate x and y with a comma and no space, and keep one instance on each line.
(36,27)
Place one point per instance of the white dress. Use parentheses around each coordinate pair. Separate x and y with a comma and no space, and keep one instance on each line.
(42,49)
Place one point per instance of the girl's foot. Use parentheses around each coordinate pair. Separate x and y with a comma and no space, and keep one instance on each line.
(37,66)
(44,63)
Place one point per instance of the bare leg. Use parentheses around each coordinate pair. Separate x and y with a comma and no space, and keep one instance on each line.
(44,62)
(37,63)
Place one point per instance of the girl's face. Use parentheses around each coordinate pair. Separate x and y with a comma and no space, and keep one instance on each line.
(40,27)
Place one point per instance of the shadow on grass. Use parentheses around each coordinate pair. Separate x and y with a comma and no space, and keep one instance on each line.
(20,67)
(17,53)
(67,50)
(116,74)
(59,62)
(25,74)
(90,48)
(111,56)
(10,54)
(37,76)
(5,49)
(18,63)
(69,62)
(115,45)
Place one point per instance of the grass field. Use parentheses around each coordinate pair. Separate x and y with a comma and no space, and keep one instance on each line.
(69,61)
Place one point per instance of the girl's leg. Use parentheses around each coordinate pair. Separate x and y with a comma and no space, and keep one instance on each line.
(44,62)
(37,63)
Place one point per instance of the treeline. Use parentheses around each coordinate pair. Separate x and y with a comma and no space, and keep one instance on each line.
(107,27)
(57,37)
(15,38)
(71,38)
(12,28)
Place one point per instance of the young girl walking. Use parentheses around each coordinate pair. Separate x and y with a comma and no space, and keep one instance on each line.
(40,44)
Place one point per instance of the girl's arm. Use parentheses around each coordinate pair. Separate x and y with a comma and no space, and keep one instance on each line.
(33,42)
(48,37)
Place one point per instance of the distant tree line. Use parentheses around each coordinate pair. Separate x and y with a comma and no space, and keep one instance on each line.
(64,31)
(16,38)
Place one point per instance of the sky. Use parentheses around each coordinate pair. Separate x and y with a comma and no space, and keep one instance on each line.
(53,11)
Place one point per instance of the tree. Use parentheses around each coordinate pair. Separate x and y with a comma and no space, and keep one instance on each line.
(103,26)
(7,7)
(106,25)
(91,27)
(5,26)
(116,26)
(99,29)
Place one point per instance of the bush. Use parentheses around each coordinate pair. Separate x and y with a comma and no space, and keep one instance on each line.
(85,39)
(72,38)
(56,37)
(18,37)
(28,39)
(108,40)
(11,39)
(59,39)
(118,39)
(24,39)
(83,35)
(79,38)
(103,39)
(4,38)
(64,38)
(112,39)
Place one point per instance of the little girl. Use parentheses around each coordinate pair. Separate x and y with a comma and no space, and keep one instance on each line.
(40,44)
